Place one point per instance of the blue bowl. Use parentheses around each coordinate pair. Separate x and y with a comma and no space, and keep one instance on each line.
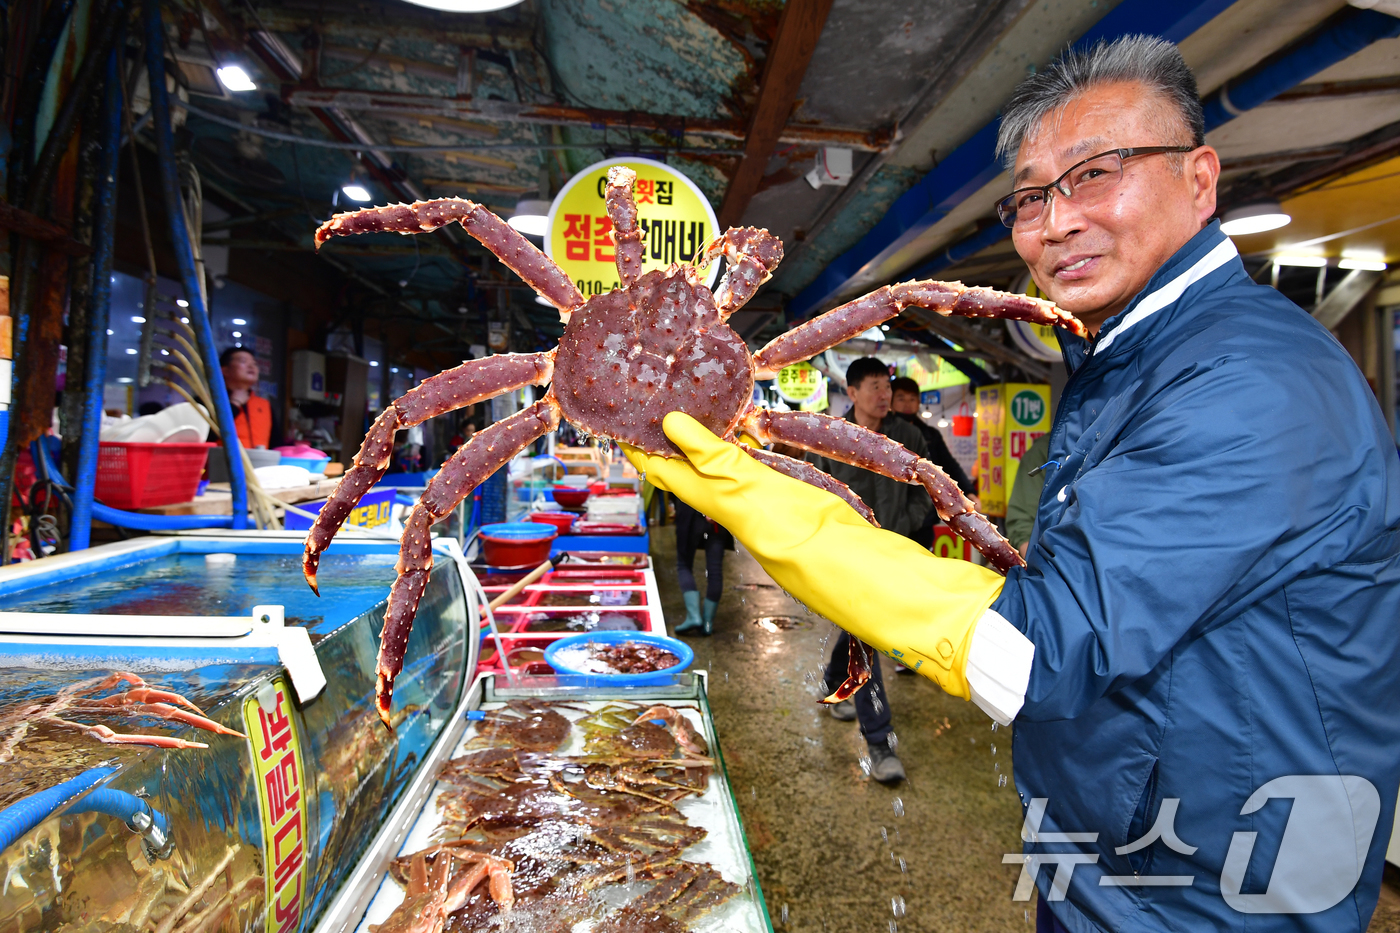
(314,464)
(679,648)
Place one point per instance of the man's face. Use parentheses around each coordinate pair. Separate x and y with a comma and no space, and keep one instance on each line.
(871,397)
(905,403)
(241,371)
(1092,258)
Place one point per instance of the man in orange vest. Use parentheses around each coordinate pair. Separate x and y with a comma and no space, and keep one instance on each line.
(252,414)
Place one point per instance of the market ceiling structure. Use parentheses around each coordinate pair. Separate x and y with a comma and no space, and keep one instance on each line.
(741,95)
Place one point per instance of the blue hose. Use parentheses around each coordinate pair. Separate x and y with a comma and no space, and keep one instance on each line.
(19,818)
(143,521)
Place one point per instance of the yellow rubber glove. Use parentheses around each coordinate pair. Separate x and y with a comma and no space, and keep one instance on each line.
(881,587)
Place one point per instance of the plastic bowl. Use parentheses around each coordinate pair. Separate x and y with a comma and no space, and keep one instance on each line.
(685,657)
(510,545)
(314,464)
(569,497)
(563,521)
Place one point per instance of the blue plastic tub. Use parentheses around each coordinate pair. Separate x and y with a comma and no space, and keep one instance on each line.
(679,648)
(314,464)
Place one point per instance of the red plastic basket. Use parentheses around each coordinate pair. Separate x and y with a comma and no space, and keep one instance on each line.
(136,476)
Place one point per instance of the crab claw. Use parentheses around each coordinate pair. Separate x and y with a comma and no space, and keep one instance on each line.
(309,563)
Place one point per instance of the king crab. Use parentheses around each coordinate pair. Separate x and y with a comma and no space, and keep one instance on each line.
(628,358)
(140,699)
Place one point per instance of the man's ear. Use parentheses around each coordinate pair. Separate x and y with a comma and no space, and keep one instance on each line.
(1204,166)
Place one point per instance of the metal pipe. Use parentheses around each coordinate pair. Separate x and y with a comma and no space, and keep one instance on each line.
(180,242)
(104,236)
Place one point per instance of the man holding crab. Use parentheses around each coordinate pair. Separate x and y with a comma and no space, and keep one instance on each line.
(1208,617)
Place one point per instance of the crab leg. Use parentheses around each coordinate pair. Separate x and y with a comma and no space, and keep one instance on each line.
(164,711)
(850,443)
(627,234)
(946,298)
(469,467)
(509,245)
(144,695)
(801,469)
(107,737)
(752,253)
(450,390)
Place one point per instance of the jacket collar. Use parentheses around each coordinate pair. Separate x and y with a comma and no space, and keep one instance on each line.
(1203,254)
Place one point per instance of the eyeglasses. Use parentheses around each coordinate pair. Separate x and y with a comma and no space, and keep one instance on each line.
(1083,181)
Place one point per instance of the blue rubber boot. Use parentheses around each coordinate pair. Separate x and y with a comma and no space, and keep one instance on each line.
(692,612)
(709,616)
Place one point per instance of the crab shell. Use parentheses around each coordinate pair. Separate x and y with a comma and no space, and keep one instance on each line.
(630,357)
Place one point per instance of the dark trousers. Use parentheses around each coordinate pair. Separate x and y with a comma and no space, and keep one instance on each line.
(714,566)
(874,725)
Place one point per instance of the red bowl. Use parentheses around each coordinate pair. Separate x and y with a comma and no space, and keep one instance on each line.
(510,552)
(560,520)
(569,497)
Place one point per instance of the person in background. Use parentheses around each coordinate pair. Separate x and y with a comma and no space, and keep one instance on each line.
(905,403)
(693,532)
(1025,494)
(899,507)
(252,414)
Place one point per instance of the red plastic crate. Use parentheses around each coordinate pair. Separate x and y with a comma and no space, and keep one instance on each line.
(136,476)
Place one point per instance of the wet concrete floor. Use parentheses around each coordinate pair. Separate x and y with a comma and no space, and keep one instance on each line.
(836,850)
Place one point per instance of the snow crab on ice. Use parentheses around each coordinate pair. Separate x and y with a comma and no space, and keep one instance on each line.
(628,358)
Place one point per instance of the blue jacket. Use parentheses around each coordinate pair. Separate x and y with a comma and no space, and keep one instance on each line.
(1213,592)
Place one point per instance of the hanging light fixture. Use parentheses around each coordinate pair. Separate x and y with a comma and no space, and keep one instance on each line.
(234,78)
(465,6)
(531,217)
(1254,217)
(1362,263)
(355,191)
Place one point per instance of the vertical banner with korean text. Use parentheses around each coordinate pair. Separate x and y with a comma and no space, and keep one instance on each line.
(270,723)
(675,217)
(1010,416)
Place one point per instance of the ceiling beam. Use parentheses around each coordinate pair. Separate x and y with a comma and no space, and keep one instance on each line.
(971,166)
(799,28)
(1343,299)
(503,111)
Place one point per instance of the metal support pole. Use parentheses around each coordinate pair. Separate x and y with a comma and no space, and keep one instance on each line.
(104,235)
(180,240)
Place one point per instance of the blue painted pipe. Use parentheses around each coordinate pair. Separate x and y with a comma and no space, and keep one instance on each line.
(189,275)
(142,521)
(1346,34)
(120,804)
(104,237)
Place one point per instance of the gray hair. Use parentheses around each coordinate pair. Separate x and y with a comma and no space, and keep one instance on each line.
(1154,63)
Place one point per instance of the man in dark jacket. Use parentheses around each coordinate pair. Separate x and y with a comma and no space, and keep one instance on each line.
(904,402)
(1201,656)
(898,507)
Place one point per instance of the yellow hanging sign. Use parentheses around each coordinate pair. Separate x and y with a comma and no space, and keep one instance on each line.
(674,215)
(799,382)
(270,723)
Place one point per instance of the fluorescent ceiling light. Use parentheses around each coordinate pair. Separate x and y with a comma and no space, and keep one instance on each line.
(1314,262)
(110,332)
(356,192)
(182,302)
(465,6)
(137,319)
(374,362)
(235,78)
(237,334)
(239,321)
(531,217)
(539,300)
(130,351)
(1366,265)
(124,379)
(393,369)
(1256,217)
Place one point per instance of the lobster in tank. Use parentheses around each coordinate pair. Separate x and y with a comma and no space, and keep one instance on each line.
(659,343)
